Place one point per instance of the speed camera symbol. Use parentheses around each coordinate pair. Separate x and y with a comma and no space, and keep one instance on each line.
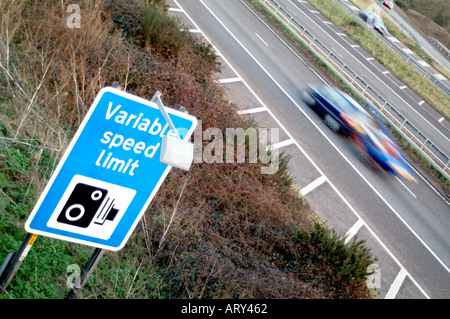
(85,204)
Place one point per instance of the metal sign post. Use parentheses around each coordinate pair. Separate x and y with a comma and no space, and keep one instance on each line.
(14,260)
(88,269)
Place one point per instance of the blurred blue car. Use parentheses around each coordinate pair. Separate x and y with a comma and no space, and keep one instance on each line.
(337,108)
(343,114)
(379,145)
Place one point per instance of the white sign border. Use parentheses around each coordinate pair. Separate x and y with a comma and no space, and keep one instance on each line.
(67,153)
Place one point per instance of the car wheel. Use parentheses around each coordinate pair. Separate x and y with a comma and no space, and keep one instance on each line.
(307,98)
(332,123)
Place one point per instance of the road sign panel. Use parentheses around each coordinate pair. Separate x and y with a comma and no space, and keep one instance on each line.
(109,173)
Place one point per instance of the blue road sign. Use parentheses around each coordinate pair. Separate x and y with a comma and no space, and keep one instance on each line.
(110,172)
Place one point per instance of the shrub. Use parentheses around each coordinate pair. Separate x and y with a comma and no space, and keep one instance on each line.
(344,266)
(162,33)
(217,231)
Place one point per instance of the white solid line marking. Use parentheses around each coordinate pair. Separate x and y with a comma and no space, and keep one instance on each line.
(319,181)
(254,110)
(431,186)
(353,230)
(230,80)
(395,286)
(387,85)
(312,162)
(282,144)
(261,39)
(406,187)
(337,150)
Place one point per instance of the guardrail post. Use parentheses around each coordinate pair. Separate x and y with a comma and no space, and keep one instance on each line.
(426,140)
(404,122)
(364,91)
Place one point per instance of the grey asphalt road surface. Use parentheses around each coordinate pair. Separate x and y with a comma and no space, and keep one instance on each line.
(405,224)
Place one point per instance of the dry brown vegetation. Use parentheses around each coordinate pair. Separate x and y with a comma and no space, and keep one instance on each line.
(430,17)
(217,231)
(437,11)
(429,28)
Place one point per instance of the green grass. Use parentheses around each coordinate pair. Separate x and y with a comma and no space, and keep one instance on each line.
(42,273)
(347,262)
(362,34)
(218,231)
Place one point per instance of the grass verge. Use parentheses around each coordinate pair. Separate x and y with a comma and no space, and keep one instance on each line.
(395,64)
(433,175)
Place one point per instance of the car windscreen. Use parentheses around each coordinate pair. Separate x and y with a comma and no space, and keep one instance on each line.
(343,102)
